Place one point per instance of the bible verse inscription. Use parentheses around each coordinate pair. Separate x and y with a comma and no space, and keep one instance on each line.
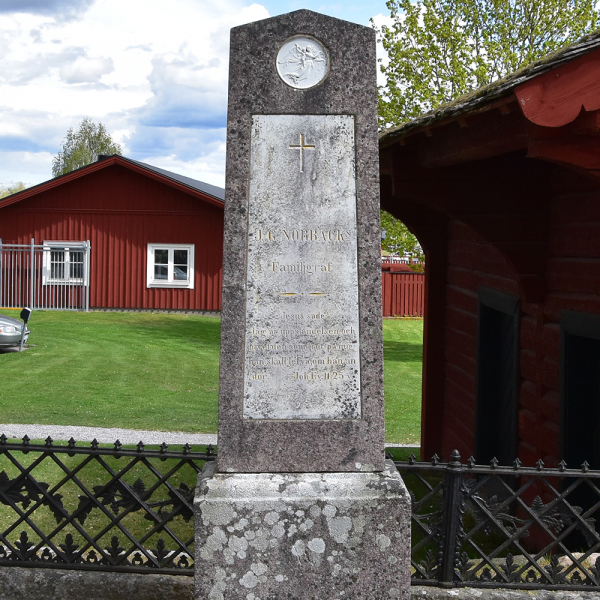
(301,340)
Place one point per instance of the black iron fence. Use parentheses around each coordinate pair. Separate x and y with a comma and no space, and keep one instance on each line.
(116,508)
(509,527)
(98,508)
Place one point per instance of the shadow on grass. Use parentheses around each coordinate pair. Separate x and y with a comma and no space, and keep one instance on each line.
(403,453)
(205,331)
(403,352)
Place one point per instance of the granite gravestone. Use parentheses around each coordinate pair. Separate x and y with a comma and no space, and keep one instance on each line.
(301,386)
(301,503)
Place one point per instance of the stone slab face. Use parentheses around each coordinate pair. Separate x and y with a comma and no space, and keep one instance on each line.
(301,384)
(302,327)
(302,536)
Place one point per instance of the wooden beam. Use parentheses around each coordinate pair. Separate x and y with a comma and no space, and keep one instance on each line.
(574,152)
(503,199)
(587,123)
(490,136)
(556,97)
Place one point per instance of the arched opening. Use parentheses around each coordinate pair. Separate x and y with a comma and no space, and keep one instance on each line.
(403,299)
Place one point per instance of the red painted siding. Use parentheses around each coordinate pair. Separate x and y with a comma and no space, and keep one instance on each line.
(471,262)
(572,277)
(403,294)
(512,182)
(121,212)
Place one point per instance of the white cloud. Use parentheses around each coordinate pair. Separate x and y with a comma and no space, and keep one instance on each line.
(28,167)
(86,69)
(153,71)
(58,9)
(382,58)
(156,76)
(72,64)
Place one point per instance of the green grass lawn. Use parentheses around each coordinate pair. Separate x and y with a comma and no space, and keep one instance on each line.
(160,372)
(133,370)
(403,358)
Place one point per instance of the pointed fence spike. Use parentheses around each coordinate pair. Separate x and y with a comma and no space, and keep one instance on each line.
(140,446)
(471,462)
(539,465)
(94,444)
(48,441)
(187,449)
(435,460)
(26,440)
(3,439)
(562,466)
(517,464)
(585,467)
(494,463)
(163,447)
(412,459)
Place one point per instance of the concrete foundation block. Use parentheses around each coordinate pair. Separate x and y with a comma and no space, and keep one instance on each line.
(302,536)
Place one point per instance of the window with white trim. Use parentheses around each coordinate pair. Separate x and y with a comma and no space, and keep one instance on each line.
(170,266)
(65,263)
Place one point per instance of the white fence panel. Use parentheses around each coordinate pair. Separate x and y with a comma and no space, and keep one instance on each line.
(49,276)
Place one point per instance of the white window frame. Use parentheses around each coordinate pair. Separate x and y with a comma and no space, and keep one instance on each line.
(67,248)
(170,282)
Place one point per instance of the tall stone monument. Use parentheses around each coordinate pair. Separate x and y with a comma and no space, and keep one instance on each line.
(301,503)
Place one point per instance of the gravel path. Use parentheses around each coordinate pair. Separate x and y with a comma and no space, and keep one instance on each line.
(105,435)
(126,436)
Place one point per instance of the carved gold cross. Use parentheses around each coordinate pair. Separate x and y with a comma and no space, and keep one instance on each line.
(302,147)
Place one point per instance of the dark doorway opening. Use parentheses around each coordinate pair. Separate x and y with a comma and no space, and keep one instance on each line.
(580,408)
(497,377)
(580,389)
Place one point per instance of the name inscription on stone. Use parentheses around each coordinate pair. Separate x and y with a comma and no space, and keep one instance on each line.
(302,329)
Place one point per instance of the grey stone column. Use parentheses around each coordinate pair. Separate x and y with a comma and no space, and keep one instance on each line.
(301,503)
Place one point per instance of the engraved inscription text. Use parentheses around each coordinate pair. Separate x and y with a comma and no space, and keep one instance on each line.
(302,358)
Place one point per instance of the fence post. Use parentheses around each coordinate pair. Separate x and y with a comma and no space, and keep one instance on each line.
(32,271)
(1,284)
(451,527)
(86,275)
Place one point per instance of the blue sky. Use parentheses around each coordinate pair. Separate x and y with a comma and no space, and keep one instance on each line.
(357,12)
(153,71)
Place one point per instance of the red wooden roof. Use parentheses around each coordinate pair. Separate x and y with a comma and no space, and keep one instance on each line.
(203,191)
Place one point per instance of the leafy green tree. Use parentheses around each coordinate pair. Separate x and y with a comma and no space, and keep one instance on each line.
(11,189)
(82,147)
(399,240)
(440,49)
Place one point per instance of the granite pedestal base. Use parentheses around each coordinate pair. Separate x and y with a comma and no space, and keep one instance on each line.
(302,536)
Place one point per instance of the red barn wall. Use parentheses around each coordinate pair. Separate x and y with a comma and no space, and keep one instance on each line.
(572,282)
(121,212)
(472,262)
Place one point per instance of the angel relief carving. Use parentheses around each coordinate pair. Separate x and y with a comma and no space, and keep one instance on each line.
(302,62)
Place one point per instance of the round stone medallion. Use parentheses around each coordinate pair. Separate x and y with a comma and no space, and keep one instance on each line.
(302,62)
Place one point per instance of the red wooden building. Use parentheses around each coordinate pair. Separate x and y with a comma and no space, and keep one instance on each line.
(502,188)
(155,240)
